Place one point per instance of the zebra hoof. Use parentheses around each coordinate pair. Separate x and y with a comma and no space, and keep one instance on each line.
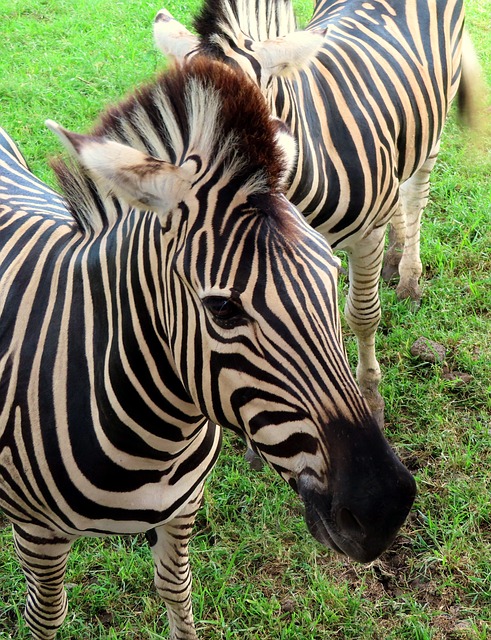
(415,305)
(255,462)
(411,293)
(392,258)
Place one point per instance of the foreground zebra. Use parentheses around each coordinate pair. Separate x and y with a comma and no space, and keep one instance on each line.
(365,89)
(169,293)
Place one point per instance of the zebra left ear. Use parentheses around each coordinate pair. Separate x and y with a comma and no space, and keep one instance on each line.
(171,37)
(141,180)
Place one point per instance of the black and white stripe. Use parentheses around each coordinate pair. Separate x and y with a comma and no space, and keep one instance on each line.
(365,89)
(167,294)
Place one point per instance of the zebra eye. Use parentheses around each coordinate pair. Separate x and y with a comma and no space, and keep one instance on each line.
(226,312)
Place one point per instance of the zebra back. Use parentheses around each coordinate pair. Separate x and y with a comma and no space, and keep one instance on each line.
(19,187)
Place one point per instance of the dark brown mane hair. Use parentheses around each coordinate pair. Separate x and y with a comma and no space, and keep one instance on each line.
(244,112)
(244,124)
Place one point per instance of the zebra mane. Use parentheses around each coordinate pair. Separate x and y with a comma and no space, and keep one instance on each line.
(258,19)
(202,107)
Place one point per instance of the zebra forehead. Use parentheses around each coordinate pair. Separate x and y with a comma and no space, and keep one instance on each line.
(204,105)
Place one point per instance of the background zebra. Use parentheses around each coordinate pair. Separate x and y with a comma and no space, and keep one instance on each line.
(166,294)
(365,89)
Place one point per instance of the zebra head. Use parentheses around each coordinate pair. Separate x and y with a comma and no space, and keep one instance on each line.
(261,39)
(249,310)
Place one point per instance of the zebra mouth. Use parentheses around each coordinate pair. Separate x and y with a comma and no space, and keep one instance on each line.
(319,529)
(343,535)
(336,527)
(347,538)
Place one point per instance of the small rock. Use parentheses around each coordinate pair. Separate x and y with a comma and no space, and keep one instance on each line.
(287,605)
(428,351)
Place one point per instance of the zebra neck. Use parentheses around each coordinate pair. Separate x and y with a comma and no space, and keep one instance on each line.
(141,403)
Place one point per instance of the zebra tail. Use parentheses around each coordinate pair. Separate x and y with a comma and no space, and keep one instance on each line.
(473,93)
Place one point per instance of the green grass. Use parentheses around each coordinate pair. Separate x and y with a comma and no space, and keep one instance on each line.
(257,573)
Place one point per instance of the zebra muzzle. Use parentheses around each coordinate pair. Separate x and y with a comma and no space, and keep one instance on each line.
(364,500)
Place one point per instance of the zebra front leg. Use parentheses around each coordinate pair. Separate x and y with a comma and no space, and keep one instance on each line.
(414,197)
(43,558)
(362,312)
(169,545)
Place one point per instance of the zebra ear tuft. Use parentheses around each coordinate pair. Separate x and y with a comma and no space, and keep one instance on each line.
(70,140)
(141,180)
(171,37)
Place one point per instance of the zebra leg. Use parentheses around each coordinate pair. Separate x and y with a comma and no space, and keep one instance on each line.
(43,558)
(362,312)
(397,238)
(255,462)
(169,545)
(414,197)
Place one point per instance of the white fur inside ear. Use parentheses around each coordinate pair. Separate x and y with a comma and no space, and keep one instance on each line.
(109,158)
(293,51)
(143,181)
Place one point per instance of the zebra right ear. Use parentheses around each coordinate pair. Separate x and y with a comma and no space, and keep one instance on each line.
(293,51)
(171,37)
(141,180)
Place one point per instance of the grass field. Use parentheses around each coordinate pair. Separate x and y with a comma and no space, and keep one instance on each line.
(257,573)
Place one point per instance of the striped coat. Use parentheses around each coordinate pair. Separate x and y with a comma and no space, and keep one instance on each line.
(365,89)
(172,289)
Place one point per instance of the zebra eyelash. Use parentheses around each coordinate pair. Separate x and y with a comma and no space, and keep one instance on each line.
(227,313)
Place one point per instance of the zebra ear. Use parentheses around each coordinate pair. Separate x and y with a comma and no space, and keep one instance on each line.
(171,37)
(283,55)
(141,180)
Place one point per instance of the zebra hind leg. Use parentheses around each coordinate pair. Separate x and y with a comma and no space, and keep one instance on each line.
(395,248)
(43,558)
(362,312)
(414,197)
(172,573)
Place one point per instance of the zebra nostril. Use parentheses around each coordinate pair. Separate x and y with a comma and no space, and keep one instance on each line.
(348,523)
